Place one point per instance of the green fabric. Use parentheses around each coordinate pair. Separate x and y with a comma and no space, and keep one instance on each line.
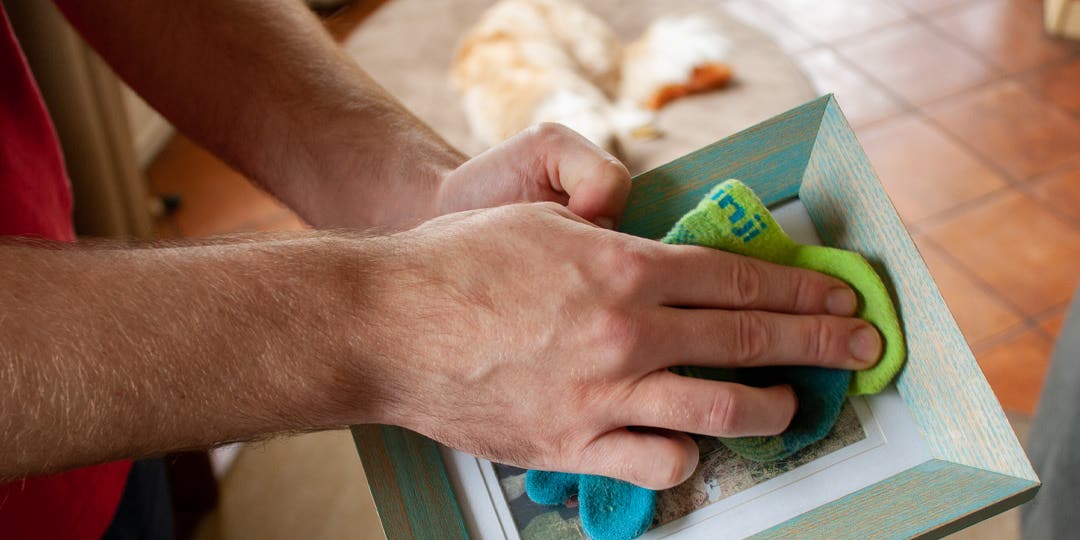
(732,218)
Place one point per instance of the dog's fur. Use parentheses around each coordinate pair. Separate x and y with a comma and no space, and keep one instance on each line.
(531,61)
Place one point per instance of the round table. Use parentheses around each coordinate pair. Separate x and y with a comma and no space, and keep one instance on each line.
(408,46)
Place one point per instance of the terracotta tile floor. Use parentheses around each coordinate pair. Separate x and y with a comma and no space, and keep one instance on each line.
(1007,33)
(916,63)
(971,115)
(863,102)
(1012,129)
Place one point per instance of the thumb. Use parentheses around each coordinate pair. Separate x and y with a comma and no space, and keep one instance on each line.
(597,183)
(654,460)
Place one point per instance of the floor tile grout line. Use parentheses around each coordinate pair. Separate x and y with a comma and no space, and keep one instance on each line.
(973,50)
(1001,337)
(980,283)
(997,75)
(815,42)
(905,104)
(866,33)
(923,226)
(1012,179)
(1025,81)
(1018,77)
(1028,188)
(1049,312)
(783,16)
(938,9)
(1008,334)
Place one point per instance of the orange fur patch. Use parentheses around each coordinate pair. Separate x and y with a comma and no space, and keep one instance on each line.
(706,77)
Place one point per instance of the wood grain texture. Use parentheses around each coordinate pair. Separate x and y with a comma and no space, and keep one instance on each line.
(769,157)
(409,484)
(951,400)
(931,500)
(977,468)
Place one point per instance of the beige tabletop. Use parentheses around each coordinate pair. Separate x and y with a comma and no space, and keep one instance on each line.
(407,45)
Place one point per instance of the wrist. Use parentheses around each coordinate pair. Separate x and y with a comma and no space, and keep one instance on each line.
(346,372)
(368,169)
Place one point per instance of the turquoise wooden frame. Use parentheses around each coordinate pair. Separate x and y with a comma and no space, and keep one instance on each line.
(977,467)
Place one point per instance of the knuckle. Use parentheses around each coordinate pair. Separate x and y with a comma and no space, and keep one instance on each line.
(548,132)
(663,468)
(807,291)
(566,449)
(509,212)
(618,333)
(747,282)
(550,206)
(670,472)
(818,337)
(723,415)
(629,270)
(753,335)
(612,168)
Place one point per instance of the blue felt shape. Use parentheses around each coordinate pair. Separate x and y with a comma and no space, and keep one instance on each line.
(610,509)
(551,488)
(614,510)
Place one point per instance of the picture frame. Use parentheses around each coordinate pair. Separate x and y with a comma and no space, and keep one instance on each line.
(973,467)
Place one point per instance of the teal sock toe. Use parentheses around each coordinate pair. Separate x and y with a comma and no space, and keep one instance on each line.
(614,510)
(550,488)
(821,393)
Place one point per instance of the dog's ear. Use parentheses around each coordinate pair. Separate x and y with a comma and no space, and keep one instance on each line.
(675,57)
(705,77)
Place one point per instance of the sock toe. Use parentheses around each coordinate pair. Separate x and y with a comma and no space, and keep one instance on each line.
(550,488)
(615,510)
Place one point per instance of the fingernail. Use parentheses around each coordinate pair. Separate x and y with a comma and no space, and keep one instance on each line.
(605,222)
(865,344)
(841,301)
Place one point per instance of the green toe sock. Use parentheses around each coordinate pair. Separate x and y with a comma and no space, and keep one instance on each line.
(732,218)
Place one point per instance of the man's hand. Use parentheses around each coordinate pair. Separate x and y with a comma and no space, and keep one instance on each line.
(547,162)
(263,86)
(526,335)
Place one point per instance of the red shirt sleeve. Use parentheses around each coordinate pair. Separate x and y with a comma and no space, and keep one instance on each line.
(35,200)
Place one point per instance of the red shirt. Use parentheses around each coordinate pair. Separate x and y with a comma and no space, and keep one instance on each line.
(35,200)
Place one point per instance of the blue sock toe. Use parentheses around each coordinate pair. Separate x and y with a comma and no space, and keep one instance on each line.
(550,488)
(614,510)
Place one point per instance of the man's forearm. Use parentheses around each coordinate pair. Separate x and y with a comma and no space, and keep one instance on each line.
(262,84)
(112,353)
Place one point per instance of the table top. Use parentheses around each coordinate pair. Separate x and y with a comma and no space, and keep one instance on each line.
(408,45)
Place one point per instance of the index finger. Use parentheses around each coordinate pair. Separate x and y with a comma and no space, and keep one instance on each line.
(598,184)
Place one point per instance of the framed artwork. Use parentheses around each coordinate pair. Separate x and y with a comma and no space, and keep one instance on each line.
(932,454)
